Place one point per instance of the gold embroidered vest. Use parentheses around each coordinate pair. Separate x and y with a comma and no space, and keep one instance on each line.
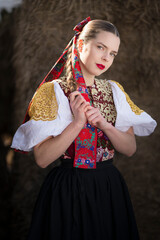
(102,98)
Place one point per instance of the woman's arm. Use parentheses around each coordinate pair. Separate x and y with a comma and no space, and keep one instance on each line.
(53,147)
(123,142)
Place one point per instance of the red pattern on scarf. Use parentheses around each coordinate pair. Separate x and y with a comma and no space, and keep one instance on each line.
(86,141)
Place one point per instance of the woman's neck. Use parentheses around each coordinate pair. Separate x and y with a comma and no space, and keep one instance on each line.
(88,78)
(89,82)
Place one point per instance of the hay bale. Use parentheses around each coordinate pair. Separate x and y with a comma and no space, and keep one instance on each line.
(41,31)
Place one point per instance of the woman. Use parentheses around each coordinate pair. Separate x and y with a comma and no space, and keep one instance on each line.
(81,120)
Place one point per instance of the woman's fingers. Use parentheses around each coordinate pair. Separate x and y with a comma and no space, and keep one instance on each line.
(78,105)
(88,107)
(82,109)
(73,95)
(76,100)
(93,115)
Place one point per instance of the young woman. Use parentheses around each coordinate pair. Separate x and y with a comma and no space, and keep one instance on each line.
(82,120)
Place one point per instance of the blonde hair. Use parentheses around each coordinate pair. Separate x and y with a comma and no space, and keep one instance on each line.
(72,85)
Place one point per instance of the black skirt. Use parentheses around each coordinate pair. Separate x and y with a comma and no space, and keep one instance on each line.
(83,204)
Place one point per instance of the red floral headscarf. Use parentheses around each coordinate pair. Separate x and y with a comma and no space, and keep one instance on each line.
(86,141)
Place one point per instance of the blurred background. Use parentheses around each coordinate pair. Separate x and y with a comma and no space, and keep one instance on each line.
(32,36)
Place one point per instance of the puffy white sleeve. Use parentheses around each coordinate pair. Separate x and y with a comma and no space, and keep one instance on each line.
(49,113)
(128,114)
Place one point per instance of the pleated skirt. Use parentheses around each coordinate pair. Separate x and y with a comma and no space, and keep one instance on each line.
(83,204)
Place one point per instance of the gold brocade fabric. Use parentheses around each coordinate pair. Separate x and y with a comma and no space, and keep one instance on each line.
(64,85)
(103,99)
(134,108)
(44,104)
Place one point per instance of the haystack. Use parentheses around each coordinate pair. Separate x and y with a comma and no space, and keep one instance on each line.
(41,31)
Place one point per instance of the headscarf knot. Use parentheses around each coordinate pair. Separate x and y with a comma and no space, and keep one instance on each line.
(78,28)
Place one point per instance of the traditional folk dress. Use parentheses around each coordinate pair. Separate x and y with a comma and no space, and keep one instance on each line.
(87,203)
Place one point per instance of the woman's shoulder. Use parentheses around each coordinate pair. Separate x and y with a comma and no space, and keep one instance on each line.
(48,89)
(41,103)
(120,93)
(129,114)
(116,84)
(49,114)
(45,102)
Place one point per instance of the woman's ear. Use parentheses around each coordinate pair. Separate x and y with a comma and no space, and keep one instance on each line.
(80,45)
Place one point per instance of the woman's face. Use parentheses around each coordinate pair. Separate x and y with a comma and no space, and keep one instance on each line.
(98,54)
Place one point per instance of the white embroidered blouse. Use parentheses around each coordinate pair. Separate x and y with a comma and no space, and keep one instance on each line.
(59,116)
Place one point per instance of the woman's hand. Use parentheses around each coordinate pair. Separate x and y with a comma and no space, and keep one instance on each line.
(45,151)
(79,106)
(123,142)
(95,118)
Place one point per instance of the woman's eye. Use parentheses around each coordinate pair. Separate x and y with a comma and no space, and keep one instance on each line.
(113,54)
(100,47)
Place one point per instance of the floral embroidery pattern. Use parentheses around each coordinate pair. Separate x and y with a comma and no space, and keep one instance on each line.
(86,141)
(101,97)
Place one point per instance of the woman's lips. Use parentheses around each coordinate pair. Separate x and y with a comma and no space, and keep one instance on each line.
(100,66)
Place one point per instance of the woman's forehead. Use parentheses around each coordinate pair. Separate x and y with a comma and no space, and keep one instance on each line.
(108,39)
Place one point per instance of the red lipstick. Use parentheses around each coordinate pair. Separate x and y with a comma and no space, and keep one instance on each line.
(100,66)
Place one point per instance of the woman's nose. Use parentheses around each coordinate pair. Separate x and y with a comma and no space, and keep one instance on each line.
(106,56)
